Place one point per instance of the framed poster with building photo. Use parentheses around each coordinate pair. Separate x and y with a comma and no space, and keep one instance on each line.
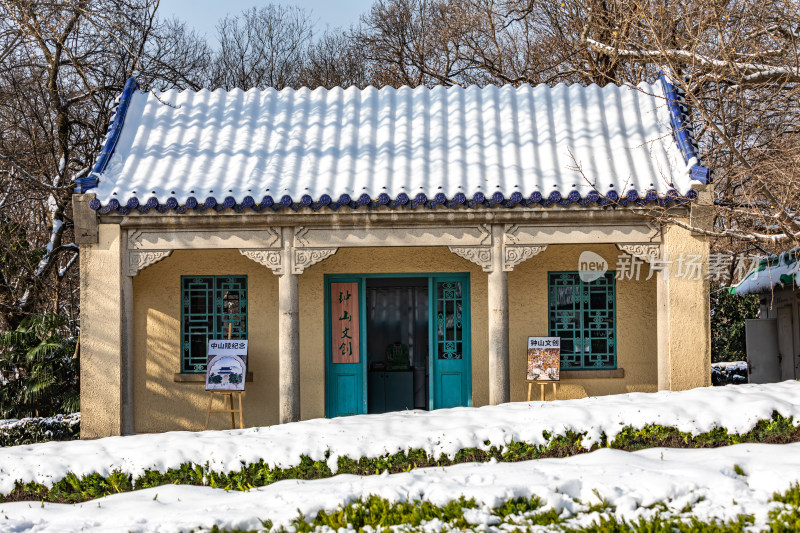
(227,365)
(544,359)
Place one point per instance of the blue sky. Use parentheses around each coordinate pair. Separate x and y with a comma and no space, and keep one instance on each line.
(204,14)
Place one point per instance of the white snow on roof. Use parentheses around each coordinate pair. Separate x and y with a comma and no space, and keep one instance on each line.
(353,141)
(777,270)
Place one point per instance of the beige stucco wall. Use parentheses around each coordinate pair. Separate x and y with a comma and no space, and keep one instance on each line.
(636,318)
(684,325)
(162,404)
(101,335)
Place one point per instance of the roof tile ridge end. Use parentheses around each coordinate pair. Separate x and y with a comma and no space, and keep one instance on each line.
(682,129)
(117,120)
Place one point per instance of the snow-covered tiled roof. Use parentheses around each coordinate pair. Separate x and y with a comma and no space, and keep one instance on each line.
(776,270)
(451,146)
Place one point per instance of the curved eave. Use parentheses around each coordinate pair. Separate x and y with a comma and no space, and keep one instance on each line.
(269,204)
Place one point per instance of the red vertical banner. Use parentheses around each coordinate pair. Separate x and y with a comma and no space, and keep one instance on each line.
(344,322)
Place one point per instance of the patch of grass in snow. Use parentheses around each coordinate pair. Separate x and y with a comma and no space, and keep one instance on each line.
(776,430)
(790,497)
(660,524)
(522,514)
(376,512)
(527,508)
(786,518)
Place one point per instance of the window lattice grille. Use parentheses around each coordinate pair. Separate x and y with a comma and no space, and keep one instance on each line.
(208,305)
(449,320)
(584,316)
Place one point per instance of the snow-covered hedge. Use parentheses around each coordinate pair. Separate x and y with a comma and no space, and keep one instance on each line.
(41,429)
(729,373)
(735,489)
(397,442)
(73,488)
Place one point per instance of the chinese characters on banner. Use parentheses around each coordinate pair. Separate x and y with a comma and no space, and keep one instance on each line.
(544,358)
(344,322)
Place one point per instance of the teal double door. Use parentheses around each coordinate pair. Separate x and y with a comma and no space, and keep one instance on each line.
(449,368)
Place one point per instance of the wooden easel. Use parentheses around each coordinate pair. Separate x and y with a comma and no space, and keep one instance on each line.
(542,385)
(229,394)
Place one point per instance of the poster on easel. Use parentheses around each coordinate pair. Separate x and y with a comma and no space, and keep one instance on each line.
(227,365)
(544,359)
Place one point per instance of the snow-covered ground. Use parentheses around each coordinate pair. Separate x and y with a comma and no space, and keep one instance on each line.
(736,408)
(630,482)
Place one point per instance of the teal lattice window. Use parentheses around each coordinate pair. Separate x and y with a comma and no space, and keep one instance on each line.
(449,302)
(584,316)
(208,305)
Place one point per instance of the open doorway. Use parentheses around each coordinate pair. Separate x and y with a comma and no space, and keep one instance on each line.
(397,336)
(397,342)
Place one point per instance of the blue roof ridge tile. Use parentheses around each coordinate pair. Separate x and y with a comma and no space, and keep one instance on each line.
(112,136)
(683,130)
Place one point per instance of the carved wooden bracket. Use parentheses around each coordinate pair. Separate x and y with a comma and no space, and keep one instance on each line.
(269,258)
(306,257)
(516,254)
(480,255)
(302,258)
(138,260)
(646,252)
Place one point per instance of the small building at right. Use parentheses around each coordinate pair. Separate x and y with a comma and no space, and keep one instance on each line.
(773,339)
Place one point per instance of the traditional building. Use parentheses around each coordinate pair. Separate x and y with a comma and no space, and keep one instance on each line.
(385,249)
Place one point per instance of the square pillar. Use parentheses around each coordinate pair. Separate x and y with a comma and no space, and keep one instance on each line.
(288,335)
(288,262)
(126,357)
(499,381)
(683,316)
(102,334)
